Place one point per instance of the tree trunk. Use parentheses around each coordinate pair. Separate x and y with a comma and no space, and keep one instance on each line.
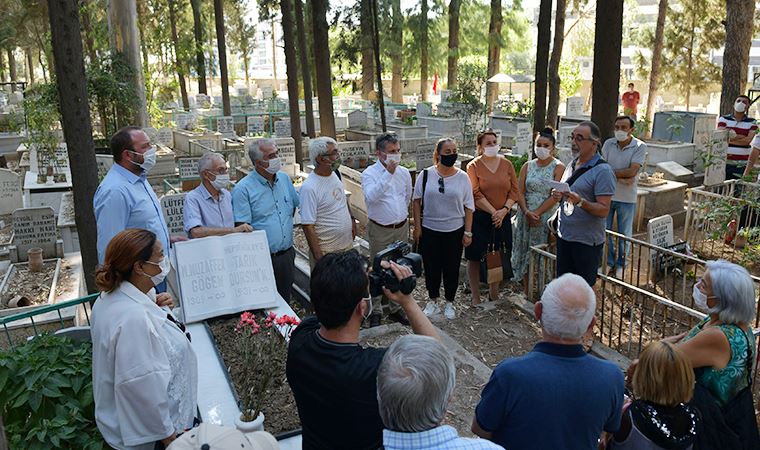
(291,66)
(542,62)
(555,81)
(424,50)
(654,74)
(305,69)
(739,22)
(29,66)
(494,52)
(378,67)
(397,27)
(322,65)
(125,38)
(368,65)
(39,59)
(606,76)
(179,64)
(690,61)
(246,63)
(451,75)
(222,44)
(77,129)
(3,77)
(200,63)
(11,64)
(89,36)
(274,54)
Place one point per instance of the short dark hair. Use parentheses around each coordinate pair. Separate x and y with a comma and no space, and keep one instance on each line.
(383,139)
(593,128)
(630,84)
(744,96)
(338,283)
(628,118)
(120,140)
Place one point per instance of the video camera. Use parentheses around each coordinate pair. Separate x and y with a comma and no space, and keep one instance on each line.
(400,253)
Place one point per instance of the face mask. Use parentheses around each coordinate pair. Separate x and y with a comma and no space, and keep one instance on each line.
(221,181)
(700,299)
(395,157)
(165,268)
(491,151)
(740,107)
(334,165)
(149,159)
(274,165)
(369,307)
(621,135)
(449,160)
(542,152)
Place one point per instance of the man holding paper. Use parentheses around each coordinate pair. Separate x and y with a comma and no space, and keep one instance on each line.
(588,185)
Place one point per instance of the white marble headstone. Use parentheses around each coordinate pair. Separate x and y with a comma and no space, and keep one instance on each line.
(282,127)
(34,227)
(715,172)
(255,125)
(424,156)
(574,107)
(357,119)
(104,163)
(424,110)
(173,208)
(226,126)
(10,191)
(523,138)
(165,137)
(660,231)
(355,154)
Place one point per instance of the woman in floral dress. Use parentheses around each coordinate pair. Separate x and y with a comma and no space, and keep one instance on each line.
(536,203)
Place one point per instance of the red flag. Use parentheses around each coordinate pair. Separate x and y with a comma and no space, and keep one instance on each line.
(435,84)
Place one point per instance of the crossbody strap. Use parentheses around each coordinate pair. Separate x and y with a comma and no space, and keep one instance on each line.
(422,199)
(578,173)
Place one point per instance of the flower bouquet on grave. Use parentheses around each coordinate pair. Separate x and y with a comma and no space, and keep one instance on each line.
(255,341)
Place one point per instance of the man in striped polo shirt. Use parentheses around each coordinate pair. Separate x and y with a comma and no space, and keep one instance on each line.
(742,129)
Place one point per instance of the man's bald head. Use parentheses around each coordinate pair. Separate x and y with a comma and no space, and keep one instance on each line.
(567,307)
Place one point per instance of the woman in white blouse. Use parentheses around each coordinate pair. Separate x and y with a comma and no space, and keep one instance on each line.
(144,370)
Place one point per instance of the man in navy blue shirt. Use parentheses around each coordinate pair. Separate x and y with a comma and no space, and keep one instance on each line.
(557,396)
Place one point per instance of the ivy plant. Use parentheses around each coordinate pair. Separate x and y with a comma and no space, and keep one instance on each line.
(46,395)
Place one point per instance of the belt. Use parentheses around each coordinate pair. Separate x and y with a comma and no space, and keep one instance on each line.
(393,225)
(281,252)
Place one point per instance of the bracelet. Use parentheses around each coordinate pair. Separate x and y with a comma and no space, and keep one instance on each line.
(468,234)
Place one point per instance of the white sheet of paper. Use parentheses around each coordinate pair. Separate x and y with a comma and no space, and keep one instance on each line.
(558,186)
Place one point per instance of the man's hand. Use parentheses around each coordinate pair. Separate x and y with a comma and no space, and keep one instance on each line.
(556,195)
(164,299)
(173,239)
(572,196)
(401,273)
(391,166)
(243,228)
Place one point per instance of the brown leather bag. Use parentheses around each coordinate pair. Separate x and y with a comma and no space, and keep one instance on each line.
(494,270)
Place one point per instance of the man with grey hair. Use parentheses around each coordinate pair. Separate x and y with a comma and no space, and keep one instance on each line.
(556,396)
(266,200)
(325,217)
(415,381)
(208,207)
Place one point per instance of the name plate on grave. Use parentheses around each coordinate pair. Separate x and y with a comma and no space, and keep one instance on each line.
(188,168)
(286,150)
(357,119)
(282,128)
(226,125)
(424,156)
(165,137)
(173,207)
(660,231)
(574,107)
(355,154)
(224,275)
(255,126)
(523,138)
(34,227)
(104,163)
(717,148)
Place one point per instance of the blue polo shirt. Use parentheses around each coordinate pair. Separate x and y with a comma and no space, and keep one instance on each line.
(203,210)
(267,206)
(555,397)
(581,226)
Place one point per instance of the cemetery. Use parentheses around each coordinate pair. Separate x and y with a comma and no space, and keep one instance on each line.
(178,86)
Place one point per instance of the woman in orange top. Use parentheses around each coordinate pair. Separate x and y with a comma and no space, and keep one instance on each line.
(494,187)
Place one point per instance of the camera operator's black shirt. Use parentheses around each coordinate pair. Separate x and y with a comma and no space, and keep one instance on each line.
(335,387)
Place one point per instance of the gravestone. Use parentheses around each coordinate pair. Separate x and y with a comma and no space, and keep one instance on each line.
(357,119)
(224,275)
(226,126)
(717,149)
(286,150)
(574,107)
(282,128)
(267,92)
(424,156)
(34,227)
(104,163)
(203,100)
(173,208)
(151,132)
(255,126)
(10,191)
(523,138)
(242,91)
(565,137)
(355,154)
(424,110)
(165,137)
(40,160)
(660,231)
(188,168)
(674,171)
(390,114)
(445,94)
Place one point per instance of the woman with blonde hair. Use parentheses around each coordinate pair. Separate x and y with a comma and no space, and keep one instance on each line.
(658,417)
(144,371)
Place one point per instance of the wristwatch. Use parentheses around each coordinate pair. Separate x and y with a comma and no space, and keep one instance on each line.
(468,234)
(580,203)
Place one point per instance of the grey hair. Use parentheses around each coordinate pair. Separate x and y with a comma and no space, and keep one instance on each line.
(254,151)
(414,383)
(594,131)
(568,306)
(734,289)
(383,140)
(207,159)
(318,147)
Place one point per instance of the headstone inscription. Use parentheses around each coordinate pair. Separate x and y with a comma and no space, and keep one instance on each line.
(224,275)
(188,168)
(173,208)
(34,227)
(226,126)
(424,156)
(357,119)
(10,191)
(255,125)
(355,154)
(715,165)
(523,138)
(165,137)
(574,107)
(282,128)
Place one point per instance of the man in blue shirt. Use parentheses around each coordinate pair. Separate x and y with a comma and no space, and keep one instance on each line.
(557,396)
(266,200)
(124,198)
(208,207)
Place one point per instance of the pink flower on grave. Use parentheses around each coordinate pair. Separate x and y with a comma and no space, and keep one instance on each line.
(247,319)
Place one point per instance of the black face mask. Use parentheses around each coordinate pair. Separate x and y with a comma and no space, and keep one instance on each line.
(449,160)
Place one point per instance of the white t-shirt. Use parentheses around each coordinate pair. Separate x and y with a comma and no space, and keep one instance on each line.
(444,211)
(323,204)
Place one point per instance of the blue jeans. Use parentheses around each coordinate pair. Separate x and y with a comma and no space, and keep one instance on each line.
(625,213)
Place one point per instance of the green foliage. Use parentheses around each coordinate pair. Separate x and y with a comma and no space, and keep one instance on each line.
(46,395)
(516,108)
(473,73)
(41,107)
(111,92)
(518,161)
(642,127)
(570,78)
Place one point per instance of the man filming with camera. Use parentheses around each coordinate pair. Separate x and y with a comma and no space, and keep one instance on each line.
(332,377)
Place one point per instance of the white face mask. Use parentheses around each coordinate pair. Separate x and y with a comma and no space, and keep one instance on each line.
(740,107)
(221,181)
(165,268)
(149,159)
(700,299)
(491,151)
(274,165)
(542,153)
(621,135)
(395,157)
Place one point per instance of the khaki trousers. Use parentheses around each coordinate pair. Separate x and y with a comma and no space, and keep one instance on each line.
(379,238)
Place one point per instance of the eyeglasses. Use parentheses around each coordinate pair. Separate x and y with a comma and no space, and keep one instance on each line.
(441,187)
(579,138)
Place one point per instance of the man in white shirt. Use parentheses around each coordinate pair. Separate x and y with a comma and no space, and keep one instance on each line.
(326,220)
(387,190)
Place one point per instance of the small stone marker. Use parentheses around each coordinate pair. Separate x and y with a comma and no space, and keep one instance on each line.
(173,207)
(574,107)
(357,119)
(282,128)
(267,92)
(424,156)
(224,275)
(674,171)
(226,126)
(660,231)
(188,168)
(34,227)
(164,137)
(424,110)
(355,154)
(203,100)
(523,138)
(10,191)
(715,172)
(390,114)
(255,125)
